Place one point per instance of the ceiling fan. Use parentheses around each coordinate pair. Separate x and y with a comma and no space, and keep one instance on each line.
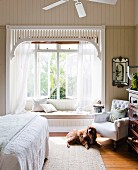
(79,6)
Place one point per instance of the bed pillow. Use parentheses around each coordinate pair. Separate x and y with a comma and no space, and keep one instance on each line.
(48,108)
(37,105)
(117,113)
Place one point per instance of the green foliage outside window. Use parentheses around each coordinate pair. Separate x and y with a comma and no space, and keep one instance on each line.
(135,82)
(53,76)
(47,66)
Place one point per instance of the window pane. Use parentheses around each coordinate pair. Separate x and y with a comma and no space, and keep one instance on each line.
(48,46)
(69,46)
(62,66)
(31,75)
(71,75)
(43,69)
(53,76)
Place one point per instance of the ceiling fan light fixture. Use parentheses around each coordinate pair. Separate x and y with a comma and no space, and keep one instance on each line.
(80,9)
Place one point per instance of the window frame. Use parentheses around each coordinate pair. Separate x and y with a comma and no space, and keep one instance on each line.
(37,80)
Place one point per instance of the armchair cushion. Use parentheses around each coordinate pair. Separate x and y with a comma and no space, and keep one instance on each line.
(115,131)
(106,129)
(117,113)
(101,117)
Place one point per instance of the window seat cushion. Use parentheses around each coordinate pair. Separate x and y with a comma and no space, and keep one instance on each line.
(59,104)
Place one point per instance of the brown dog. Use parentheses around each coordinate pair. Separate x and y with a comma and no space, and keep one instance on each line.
(86,137)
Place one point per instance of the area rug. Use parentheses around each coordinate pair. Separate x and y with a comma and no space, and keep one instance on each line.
(74,158)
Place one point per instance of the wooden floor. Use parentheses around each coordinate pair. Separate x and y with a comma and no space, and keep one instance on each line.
(114,160)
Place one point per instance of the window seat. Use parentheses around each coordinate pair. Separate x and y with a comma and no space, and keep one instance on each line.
(66,118)
(66,115)
(65,121)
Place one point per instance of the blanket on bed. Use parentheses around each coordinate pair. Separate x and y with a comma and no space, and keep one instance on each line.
(10,125)
(28,148)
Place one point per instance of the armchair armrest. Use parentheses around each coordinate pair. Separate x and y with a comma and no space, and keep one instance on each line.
(121,126)
(101,117)
(121,122)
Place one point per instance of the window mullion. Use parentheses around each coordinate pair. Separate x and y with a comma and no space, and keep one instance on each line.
(36,76)
(58,74)
(49,77)
(37,72)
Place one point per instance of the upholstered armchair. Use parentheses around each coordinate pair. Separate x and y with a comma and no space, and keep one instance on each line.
(116,129)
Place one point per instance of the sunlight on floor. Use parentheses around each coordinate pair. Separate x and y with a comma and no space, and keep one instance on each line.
(62,140)
(58,140)
(102,139)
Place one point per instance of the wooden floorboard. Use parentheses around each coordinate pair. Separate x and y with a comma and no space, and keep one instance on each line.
(119,159)
(114,160)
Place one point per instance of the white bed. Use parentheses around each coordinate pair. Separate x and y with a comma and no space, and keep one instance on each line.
(26,146)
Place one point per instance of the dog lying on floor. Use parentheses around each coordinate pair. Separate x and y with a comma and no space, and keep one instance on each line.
(85,137)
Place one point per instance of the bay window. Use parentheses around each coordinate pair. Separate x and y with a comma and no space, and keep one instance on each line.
(56,69)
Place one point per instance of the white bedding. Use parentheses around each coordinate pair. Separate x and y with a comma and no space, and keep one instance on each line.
(28,148)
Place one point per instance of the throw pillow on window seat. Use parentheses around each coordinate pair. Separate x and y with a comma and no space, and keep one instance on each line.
(48,108)
(117,113)
(37,105)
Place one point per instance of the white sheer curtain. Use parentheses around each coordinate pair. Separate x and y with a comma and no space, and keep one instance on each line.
(18,78)
(71,75)
(89,76)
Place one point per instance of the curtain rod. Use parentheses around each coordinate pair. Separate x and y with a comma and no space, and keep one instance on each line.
(55,42)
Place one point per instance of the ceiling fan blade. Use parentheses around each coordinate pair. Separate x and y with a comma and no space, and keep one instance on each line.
(80,9)
(111,2)
(55,4)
